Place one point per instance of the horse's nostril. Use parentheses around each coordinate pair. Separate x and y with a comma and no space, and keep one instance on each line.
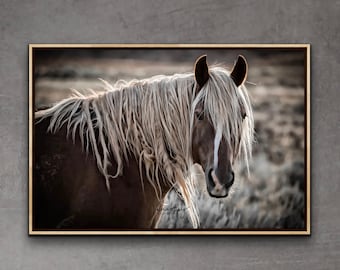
(210,178)
(231,180)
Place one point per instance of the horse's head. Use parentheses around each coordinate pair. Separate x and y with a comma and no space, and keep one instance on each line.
(216,138)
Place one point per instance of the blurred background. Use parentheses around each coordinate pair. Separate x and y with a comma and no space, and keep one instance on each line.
(273,195)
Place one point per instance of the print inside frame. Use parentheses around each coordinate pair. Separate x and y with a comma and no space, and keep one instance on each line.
(156,139)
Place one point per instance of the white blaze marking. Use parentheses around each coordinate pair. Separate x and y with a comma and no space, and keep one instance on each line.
(218,187)
(217,141)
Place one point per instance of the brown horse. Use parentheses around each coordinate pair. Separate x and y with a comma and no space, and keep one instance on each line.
(108,160)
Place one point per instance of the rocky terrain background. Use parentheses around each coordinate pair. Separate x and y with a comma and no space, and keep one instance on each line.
(273,195)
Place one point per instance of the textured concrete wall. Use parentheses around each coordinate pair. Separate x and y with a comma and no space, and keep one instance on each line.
(175,21)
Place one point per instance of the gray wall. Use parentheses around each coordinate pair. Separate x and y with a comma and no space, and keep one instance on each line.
(176,21)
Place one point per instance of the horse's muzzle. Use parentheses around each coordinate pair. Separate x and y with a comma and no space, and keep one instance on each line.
(215,187)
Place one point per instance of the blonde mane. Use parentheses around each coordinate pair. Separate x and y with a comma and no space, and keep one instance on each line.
(153,120)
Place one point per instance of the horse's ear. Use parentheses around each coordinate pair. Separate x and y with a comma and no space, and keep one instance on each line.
(201,70)
(240,70)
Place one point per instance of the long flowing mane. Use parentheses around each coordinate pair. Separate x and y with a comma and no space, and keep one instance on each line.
(152,119)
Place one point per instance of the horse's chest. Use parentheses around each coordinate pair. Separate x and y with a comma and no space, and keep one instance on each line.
(47,168)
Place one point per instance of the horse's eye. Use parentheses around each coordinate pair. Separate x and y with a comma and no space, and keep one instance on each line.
(200,115)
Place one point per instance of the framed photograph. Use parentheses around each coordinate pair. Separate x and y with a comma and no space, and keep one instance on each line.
(169,139)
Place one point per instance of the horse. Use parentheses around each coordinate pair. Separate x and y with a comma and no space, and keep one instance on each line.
(106,161)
